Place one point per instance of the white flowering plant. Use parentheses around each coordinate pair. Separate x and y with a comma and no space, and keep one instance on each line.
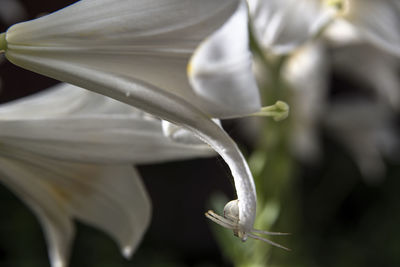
(165,73)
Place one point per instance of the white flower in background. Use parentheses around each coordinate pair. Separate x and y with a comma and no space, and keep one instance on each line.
(361,37)
(368,128)
(138,52)
(68,154)
(377,21)
(281,26)
(307,72)
(365,127)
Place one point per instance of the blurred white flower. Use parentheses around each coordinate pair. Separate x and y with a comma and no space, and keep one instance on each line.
(138,52)
(377,21)
(281,26)
(361,37)
(307,72)
(365,127)
(364,122)
(68,154)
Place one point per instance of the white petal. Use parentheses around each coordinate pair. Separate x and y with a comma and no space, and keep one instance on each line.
(341,32)
(109,197)
(71,123)
(63,100)
(281,26)
(110,21)
(51,212)
(102,138)
(124,38)
(221,69)
(379,21)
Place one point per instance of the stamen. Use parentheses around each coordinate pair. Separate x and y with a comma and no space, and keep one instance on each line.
(267,241)
(269,233)
(220,220)
(231,222)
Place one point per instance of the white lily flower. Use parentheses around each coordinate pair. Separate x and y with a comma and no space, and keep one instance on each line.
(68,136)
(137,51)
(282,26)
(143,50)
(364,127)
(68,154)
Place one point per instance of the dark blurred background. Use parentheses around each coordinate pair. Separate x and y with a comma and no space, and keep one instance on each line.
(342,221)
